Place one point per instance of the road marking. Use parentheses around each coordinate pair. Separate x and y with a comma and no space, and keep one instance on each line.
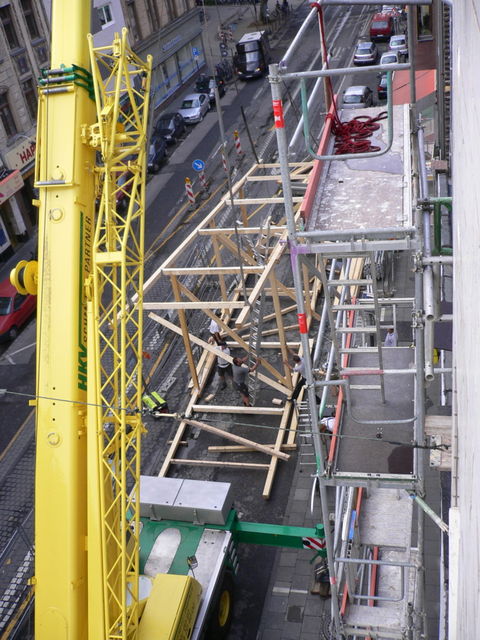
(22,426)
(257,93)
(8,356)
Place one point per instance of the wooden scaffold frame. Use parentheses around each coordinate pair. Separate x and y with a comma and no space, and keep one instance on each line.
(234,260)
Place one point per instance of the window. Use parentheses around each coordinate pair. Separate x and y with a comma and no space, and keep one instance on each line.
(133,20)
(6,115)
(30,19)
(18,301)
(424,22)
(9,27)
(41,51)
(30,95)
(22,62)
(105,15)
(153,14)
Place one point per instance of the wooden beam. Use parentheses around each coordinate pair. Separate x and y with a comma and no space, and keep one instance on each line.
(184,328)
(277,177)
(216,463)
(238,439)
(210,304)
(238,201)
(238,448)
(259,411)
(267,488)
(267,270)
(269,345)
(209,271)
(243,231)
(281,330)
(270,316)
(240,341)
(217,352)
(218,262)
(275,165)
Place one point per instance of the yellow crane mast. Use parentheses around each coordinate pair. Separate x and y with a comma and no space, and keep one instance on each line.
(93,105)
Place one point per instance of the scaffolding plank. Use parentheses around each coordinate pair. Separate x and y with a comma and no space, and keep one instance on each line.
(386,518)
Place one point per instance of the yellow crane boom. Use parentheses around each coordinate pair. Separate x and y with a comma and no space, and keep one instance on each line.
(93,104)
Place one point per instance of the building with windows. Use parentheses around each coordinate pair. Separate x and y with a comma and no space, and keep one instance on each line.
(24,49)
(170,31)
(107,19)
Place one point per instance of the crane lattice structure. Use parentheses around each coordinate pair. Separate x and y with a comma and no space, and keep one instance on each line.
(121,83)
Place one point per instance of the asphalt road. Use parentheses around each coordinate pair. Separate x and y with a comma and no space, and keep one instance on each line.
(168,222)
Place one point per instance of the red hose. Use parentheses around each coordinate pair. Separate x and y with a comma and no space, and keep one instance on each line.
(351,136)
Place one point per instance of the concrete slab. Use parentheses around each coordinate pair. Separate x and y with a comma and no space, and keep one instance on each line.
(345,201)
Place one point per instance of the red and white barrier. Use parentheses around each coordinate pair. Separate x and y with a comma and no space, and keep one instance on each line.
(238,146)
(203,180)
(224,161)
(189,191)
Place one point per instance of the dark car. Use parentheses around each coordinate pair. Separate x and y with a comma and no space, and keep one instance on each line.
(382,86)
(206,84)
(15,310)
(157,153)
(365,53)
(170,126)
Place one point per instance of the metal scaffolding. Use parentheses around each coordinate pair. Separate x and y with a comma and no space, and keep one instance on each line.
(374,455)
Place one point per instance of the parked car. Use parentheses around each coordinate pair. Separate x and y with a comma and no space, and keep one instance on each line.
(170,126)
(382,26)
(390,57)
(206,84)
(15,309)
(382,86)
(194,107)
(357,97)
(157,153)
(398,43)
(365,53)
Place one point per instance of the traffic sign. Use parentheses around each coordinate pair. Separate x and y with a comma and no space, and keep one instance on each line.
(198,165)
(195,52)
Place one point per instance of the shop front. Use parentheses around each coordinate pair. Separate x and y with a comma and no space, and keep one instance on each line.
(18,216)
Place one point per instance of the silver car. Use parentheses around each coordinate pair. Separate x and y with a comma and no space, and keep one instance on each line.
(390,57)
(399,44)
(357,97)
(365,53)
(194,107)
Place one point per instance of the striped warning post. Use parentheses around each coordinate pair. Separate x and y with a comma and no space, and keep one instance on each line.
(203,180)
(224,161)
(313,543)
(238,146)
(189,191)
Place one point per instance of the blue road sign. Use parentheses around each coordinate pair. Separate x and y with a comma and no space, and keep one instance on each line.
(195,52)
(198,165)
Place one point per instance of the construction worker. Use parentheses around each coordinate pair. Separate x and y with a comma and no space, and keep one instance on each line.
(240,371)
(297,367)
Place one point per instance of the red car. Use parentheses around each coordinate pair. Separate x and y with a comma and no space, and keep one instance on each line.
(15,310)
(382,27)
